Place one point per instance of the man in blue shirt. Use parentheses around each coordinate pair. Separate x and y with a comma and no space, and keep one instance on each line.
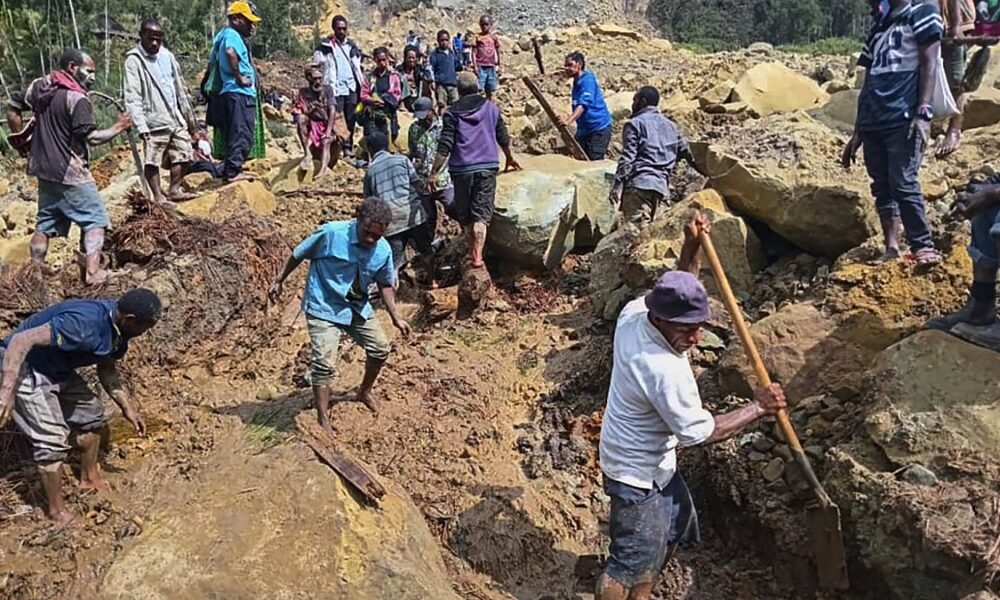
(239,87)
(345,258)
(590,112)
(40,386)
(894,120)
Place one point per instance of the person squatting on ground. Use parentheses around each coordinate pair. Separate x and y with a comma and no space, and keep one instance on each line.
(238,110)
(894,121)
(315,116)
(381,93)
(392,178)
(590,111)
(340,58)
(472,130)
(445,63)
(977,320)
(63,132)
(486,57)
(345,259)
(651,146)
(653,407)
(51,403)
(959,17)
(161,112)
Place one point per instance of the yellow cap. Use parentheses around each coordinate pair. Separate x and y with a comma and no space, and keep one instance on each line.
(243,9)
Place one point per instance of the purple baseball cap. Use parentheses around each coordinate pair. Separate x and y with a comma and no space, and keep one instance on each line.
(678,296)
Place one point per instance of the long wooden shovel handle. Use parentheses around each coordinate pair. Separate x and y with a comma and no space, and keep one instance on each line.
(743,331)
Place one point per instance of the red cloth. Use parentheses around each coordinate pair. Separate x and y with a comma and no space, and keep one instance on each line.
(62,79)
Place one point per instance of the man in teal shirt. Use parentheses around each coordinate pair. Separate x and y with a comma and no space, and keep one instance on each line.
(238,97)
(345,258)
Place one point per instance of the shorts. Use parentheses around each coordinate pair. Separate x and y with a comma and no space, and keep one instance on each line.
(165,148)
(488,81)
(595,144)
(47,411)
(420,237)
(475,196)
(639,206)
(446,95)
(60,205)
(324,337)
(644,525)
(954,59)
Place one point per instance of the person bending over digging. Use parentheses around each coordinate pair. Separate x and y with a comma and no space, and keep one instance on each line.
(977,320)
(51,404)
(345,259)
(654,406)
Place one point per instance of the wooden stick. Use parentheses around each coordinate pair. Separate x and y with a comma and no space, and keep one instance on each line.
(538,55)
(348,468)
(575,150)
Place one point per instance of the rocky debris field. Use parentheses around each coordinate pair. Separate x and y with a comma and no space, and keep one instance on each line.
(488,440)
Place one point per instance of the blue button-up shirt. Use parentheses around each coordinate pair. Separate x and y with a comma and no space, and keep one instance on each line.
(340,272)
(83,334)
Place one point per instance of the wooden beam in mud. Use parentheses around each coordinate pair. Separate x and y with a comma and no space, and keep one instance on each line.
(571,144)
(323,444)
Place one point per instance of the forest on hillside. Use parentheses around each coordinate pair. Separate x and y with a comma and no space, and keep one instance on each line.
(725,24)
(33,32)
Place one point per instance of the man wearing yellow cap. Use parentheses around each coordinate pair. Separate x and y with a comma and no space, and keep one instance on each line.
(238,94)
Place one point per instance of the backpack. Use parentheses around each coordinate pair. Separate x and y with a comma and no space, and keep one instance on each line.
(211,89)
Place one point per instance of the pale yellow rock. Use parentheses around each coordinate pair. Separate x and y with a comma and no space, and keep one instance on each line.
(228,200)
(620,104)
(982,109)
(18,215)
(612,30)
(772,87)
(661,44)
(718,93)
(4,186)
(15,251)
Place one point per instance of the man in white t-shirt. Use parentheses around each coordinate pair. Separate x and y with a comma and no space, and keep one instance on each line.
(654,406)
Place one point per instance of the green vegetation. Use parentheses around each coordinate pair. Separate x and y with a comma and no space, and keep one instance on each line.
(844,46)
(809,25)
(271,426)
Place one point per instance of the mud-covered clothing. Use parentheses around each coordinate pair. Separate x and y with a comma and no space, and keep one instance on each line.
(61,205)
(341,271)
(64,119)
(653,405)
(473,128)
(83,334)
(891,55)
(651,146)
(325,338)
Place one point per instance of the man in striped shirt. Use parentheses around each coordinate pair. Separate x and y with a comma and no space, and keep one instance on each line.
(894,119)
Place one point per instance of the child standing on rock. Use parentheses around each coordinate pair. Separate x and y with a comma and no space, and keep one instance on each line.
(486,57)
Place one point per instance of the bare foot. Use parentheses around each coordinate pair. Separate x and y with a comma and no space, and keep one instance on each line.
(319,174)
(60,518)
(477,265)
(952,140)
(100,277)
(238,178)
(305,164)
(182,196)
(889,255)
(370,402)
(95,483)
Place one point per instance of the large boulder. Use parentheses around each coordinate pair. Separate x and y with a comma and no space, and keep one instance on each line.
(937,402)
(294,531)
(555,205)
(785,173)
(805,351)
(982,109)
(840,111)
(772,87)
(620,104)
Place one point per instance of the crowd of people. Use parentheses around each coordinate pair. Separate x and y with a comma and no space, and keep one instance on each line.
(452,164)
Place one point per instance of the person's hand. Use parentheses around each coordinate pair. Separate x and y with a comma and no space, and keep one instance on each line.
(275,292)
(6,409)
(969,205)
(431,183)
(132,416)
(850,153)
(615,197)
(770,400)
(245,81)
(124,122)
(512,165)
(402,326)
(378,102)
(922,127)
(564,121)
(697,225)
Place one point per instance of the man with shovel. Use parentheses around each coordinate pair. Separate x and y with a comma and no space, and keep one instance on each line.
(654,406)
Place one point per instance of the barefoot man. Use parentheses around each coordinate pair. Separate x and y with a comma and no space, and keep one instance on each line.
(52,405)
(345,259)
(315,114)
(653,407)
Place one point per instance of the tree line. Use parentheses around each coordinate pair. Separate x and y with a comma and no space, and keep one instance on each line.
(727,24)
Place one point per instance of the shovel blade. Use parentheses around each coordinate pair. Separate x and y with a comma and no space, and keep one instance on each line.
(828,546)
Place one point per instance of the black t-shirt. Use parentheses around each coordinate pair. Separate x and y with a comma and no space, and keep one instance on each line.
(63,121)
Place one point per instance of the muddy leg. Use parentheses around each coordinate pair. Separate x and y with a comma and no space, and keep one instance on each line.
(321,400)
(51,476)
(90,471)
(609,589)
(372,369)
(91,244)
(152,175)
(478,242)
(643,591)
(39,248)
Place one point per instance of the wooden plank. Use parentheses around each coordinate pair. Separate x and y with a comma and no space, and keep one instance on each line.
(571,144)
(538,55)
(323,445)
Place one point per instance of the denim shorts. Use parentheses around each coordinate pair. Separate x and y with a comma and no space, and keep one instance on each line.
(60,205)
(644,525)
(488,81)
